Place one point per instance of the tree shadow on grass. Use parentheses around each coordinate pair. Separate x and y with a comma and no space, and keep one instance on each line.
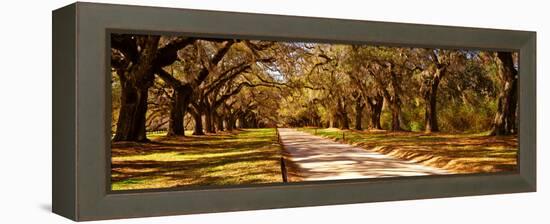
(205,160)
(461,153)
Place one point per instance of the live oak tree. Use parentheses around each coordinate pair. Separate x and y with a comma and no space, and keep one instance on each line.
(369,96)
(136,58)
(390,70)
(505,117)
(184,89)
(214,85)
(133,63)
(435,65)
(228,78)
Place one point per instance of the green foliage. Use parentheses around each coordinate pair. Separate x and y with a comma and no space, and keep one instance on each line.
(317,84)
(467,118)
(386,119)
(212,83)
(412,115)
(416,126)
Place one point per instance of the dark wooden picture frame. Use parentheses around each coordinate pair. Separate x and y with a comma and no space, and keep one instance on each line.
(81,111)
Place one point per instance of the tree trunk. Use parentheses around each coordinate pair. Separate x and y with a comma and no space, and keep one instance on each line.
(336,122)
(318,122)
(395,102)
(255,122)
(343,114)
(209,120)
(182,96)
(241,122)
(430,96)
(395,111)
(197,130)
(131,120)
(228,126)
(134,89)
(376,104)
(238,123)
(359,113)
(233,124)
(219,122)
(229,122)
(345,121)
(505,117)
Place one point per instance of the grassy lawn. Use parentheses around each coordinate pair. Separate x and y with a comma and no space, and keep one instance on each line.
(245,157)
(459,153)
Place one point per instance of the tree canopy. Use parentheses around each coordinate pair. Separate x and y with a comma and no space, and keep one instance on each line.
(208,85)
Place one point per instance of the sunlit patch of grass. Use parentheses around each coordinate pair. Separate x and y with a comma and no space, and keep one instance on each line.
(131,181)
(459,153)
(182,156)
(154,135)
(246,157)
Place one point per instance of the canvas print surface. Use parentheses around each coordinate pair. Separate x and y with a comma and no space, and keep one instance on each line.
(190,111)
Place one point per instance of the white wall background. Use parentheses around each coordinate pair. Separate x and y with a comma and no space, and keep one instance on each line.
(25,107)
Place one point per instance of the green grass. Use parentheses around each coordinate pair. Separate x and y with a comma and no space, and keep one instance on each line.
(247,157)
(460,153)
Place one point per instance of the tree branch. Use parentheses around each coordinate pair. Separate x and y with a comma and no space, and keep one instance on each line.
(214,61)
(242,67)
(126,44)
(168,78)
(169,53)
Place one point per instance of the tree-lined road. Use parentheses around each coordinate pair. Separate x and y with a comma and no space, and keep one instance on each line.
(317,158)
(220,87)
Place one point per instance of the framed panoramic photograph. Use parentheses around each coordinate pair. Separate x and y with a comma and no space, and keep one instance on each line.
(201,111)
